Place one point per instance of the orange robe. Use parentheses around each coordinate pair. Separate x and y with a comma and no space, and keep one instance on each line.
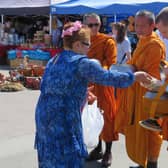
(140,143)
(165,128)
(103,48)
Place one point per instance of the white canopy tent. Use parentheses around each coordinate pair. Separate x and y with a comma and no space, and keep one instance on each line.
(24,7)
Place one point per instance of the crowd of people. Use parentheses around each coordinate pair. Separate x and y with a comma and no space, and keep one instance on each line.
(87,62)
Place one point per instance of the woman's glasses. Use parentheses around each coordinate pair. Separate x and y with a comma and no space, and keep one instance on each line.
(86,44)
(93,25)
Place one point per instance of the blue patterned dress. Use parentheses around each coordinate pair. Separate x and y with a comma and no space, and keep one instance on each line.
(59,137)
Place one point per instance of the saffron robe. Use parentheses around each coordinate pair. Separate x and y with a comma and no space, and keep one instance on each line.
(165,128)
(103,48)
(140,143)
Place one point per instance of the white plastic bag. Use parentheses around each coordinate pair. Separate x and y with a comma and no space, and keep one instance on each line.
(92,121)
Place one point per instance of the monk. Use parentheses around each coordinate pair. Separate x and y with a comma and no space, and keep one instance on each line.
(165,119)
(162,25)
(103,48)
(142,146)
(162,31)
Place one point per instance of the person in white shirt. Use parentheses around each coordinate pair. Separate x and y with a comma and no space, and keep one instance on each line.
(119,31)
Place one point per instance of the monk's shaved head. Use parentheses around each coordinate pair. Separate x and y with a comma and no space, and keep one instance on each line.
(162,22)
(149,15)
(163,16)
(144,23)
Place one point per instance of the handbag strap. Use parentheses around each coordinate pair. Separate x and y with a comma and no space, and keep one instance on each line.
(157,98)
(123,57)
(56,58)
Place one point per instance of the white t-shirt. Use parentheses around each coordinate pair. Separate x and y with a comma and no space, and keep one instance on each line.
(165,40)
(122,48)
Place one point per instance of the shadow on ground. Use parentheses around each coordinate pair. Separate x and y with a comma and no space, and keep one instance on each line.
(92,164)
(5,67)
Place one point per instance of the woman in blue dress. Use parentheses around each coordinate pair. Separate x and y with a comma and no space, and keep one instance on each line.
(59,137)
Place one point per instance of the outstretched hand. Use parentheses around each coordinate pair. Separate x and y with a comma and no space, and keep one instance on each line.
(143,77)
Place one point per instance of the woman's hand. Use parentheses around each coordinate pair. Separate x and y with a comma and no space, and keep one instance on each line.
(147,81)
(90,96)
(143,77)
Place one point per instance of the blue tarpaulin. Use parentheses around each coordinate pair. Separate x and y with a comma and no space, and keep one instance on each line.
(105,7)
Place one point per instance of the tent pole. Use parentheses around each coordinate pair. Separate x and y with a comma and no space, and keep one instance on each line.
(50,21)
(115,18)
(2,19)
(50,24)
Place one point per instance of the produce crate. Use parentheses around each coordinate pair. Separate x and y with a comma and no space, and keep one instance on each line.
(15,62)
(38,62)
(18,61)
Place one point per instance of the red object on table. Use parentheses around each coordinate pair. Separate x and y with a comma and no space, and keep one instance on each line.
(54,51)
(33,82)
(24,48)
(5,48)
(3,52)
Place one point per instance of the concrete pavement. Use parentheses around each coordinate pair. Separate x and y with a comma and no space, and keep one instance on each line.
(17,134)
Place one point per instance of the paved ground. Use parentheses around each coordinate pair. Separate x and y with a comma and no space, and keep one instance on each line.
(17,134)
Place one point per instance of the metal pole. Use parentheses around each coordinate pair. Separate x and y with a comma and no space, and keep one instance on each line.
(50,21)
(2,19)
(50,24)
(115,18)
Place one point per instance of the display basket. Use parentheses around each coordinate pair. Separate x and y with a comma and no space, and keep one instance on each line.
(25,71)
(38,70)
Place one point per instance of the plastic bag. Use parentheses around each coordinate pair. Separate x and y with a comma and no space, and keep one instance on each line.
(92,121)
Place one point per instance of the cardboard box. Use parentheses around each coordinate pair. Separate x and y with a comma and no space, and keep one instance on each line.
(38,62)
(14,63)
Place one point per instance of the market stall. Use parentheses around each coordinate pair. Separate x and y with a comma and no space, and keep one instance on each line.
(25,25)
(36,56)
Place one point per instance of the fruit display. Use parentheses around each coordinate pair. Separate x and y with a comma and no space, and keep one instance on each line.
(22,77)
